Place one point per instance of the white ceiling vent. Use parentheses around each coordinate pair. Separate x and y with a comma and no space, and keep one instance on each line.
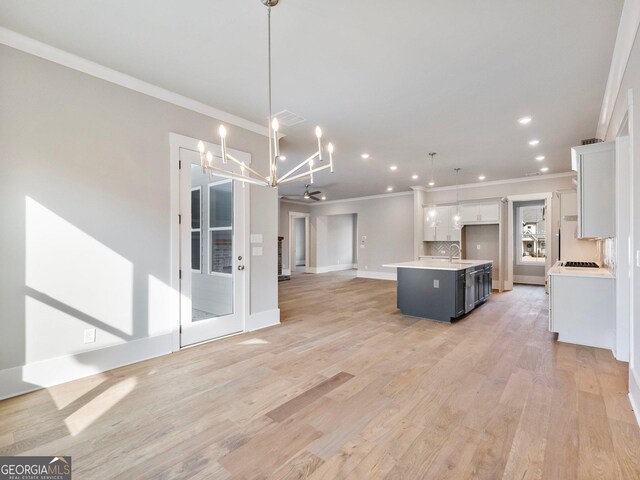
(288,119)
(533,174)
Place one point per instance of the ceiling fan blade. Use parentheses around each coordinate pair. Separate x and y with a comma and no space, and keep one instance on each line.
(314,198)
(315,193)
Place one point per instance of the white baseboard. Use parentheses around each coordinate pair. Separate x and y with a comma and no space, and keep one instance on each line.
(634,393)
(377,275)
(264,319)
(46,373)
(528,279)
(332,268)
(495,284)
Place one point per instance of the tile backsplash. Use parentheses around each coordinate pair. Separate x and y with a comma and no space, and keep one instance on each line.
(438,248)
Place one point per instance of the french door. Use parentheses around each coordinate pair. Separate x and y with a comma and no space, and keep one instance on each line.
(212,256)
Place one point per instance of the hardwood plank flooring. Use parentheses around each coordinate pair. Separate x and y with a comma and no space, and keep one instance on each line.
(348,388)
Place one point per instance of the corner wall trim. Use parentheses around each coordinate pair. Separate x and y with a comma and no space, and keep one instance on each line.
(634,393)
(265,319)
(377,275)
(46,373)
(34,47)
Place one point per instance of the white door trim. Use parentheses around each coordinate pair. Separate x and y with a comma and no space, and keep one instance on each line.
(292,217)
(547,197)
(176,143)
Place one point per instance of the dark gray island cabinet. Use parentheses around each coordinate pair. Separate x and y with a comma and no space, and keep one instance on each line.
(442,290)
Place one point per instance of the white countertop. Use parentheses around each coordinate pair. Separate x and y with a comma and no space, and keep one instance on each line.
(439,264)
(603,272)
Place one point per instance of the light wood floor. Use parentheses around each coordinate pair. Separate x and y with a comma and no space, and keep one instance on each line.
(348,388)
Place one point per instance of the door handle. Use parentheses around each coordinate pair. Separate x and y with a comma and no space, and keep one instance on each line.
(240,267)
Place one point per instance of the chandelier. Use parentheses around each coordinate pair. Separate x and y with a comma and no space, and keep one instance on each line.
(248,174)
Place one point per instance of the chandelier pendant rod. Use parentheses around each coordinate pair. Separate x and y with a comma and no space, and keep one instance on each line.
(272,159)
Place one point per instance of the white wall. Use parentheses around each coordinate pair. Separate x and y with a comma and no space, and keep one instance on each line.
(85,210)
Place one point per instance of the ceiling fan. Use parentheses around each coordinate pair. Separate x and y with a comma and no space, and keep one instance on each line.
(307,195)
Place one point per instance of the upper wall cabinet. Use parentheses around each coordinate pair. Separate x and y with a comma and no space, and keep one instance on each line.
(595,164)
(444,230)
(478,213)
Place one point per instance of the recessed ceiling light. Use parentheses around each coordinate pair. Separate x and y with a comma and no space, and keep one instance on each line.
(389,189)
(533,143)
(393,168)
(431,184)
(544,169)
(323,197)
(282,157)
(524,120)
(481,177)
(540,158)
(365,156)
(415,177)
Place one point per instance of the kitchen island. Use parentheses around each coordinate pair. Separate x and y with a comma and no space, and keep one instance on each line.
(442,290)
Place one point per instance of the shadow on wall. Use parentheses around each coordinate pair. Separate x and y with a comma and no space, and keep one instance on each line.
(74,283)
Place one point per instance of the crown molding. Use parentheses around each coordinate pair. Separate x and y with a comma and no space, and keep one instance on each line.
(532,178)
(358,199)
(34,47)
(627,30)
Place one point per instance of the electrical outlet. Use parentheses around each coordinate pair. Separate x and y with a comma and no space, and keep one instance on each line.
(638,258)
(90,335)
(436,284)
(478,246)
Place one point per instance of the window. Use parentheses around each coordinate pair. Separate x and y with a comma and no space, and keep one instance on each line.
(221,228)
(532,236)
(196,230)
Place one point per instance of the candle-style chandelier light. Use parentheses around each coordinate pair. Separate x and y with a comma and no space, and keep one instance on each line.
(248,174)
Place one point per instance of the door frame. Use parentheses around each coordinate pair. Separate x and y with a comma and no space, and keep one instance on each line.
(292,217)
(548,198)
(176,143)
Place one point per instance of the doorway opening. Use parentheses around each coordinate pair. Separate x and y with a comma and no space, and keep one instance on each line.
(299,256)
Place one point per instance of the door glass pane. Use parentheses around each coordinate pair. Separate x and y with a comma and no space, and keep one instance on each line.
(195,208)
(532,236)
(221,205)
(212,286)
(221,251)
(195,251)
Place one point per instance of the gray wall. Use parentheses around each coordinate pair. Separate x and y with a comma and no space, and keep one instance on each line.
(300,241)
(90,159)
(488,238)
(283,226)
(386,221)
(341,231)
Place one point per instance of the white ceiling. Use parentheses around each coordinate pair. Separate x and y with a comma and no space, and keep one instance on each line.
(394,79)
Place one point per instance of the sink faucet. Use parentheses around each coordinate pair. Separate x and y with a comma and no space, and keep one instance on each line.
(451,251)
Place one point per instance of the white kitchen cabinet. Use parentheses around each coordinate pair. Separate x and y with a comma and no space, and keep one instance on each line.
(480,212)
(595,165)
(443,231)
(582,309)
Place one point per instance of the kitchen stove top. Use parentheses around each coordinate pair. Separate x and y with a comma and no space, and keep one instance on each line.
(581,264)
